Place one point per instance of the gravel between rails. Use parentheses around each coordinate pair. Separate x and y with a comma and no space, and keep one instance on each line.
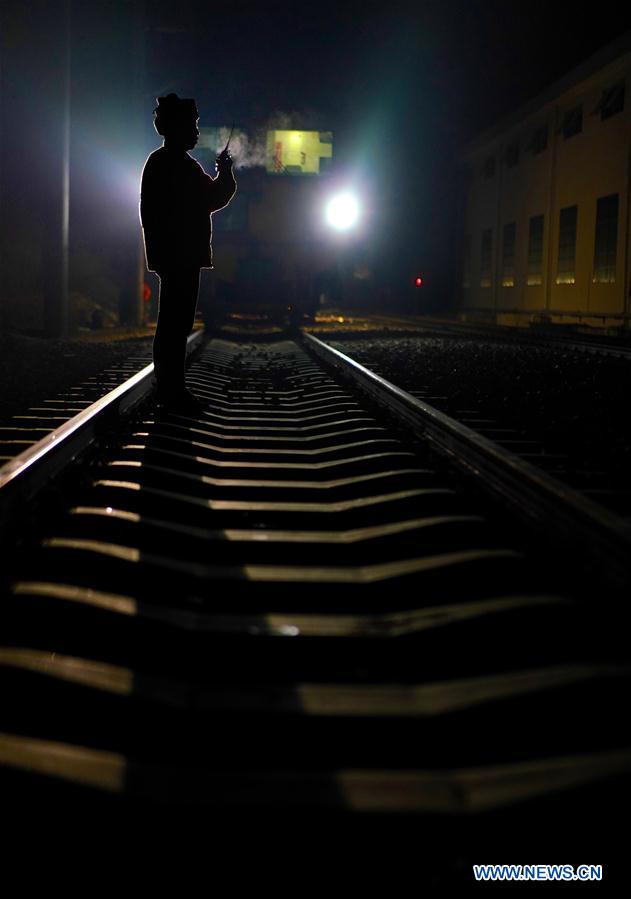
(571,401)
(35,369)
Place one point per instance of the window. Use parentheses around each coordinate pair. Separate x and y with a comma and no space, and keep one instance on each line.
(566,264)
(486,260)
(488,170)
(466,263)
(611,102)
(535,251)
(512,154)
(508,255)
(606,240)
(572,122)
(539,140)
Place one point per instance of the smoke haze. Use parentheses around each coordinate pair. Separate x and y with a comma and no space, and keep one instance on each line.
(247,150)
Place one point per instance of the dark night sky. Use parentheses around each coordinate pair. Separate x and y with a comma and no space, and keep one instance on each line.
(462,63)
(450,68)
(401,84)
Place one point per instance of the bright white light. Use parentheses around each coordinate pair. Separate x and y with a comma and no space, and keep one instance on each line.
(342,212)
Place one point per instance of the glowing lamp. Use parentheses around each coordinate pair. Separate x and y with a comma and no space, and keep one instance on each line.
(342,212)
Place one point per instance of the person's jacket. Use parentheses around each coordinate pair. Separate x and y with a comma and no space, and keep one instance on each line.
(177,198)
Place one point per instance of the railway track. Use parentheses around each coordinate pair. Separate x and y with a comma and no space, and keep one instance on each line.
(320,596)
(554,438)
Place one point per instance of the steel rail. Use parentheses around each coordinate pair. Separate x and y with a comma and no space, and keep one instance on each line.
(25,474)
(589,534)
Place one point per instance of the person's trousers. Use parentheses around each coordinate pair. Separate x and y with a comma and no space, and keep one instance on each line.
(176,313)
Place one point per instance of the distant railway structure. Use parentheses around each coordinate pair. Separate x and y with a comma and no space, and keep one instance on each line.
(545,234)
(288,242)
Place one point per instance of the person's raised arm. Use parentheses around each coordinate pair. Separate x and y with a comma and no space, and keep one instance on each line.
(220,190)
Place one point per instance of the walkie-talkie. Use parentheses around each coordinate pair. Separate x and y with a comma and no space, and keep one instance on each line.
(225,149)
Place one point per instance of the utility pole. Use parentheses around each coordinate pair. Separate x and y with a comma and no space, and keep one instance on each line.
(57,193)
(139,129)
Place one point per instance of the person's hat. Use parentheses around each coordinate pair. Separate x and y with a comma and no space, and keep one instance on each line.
(173,110)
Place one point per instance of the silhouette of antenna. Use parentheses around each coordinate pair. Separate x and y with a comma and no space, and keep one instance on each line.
(229,138)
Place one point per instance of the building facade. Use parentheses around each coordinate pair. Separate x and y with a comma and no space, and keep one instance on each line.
(545,229)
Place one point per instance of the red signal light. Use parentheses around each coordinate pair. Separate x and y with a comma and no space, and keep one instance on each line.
(418,281)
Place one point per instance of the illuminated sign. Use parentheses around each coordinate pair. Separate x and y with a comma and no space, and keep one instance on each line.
(298,152)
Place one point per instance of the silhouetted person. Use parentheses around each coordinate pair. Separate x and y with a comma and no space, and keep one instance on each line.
(177,198)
